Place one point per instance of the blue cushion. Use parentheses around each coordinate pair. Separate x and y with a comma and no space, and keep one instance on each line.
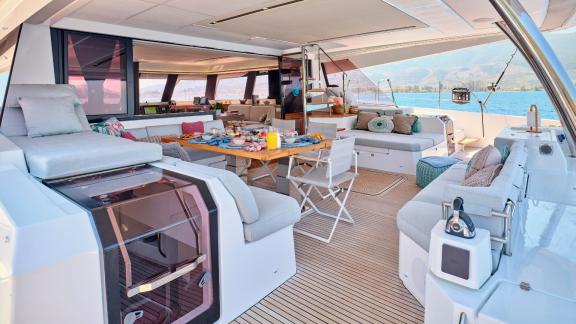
(439,161)
(429,168)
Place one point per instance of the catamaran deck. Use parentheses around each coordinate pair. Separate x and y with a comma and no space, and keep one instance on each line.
(354,278)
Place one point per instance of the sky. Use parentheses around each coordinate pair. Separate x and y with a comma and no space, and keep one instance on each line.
(482,63)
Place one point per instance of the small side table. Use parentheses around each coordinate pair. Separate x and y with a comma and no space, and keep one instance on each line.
(467,141)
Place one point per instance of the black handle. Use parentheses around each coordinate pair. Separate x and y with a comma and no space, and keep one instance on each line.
(458,204)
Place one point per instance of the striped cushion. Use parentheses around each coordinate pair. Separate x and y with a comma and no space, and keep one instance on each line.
(381,125)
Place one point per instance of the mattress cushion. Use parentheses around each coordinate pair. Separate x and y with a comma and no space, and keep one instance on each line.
(411,143)
(66,155)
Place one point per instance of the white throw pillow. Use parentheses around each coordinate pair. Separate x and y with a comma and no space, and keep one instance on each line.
(381,124)
(50,116)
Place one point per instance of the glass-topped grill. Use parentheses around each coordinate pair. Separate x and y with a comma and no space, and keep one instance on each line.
(158,235)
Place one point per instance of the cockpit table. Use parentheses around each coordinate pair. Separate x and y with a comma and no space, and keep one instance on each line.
(239,160)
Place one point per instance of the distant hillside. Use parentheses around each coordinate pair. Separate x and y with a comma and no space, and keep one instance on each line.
(474,67)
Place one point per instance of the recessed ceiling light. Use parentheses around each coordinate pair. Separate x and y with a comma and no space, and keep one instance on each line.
(257,38)
(265,8)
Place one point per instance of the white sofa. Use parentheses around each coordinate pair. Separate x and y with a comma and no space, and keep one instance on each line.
(397,152)
(252,114)
(58,156)
(416,218)
(156,132)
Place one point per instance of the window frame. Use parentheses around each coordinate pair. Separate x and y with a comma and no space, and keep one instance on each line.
(63,78)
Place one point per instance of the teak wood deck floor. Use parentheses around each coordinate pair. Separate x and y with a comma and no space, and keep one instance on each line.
(352,279)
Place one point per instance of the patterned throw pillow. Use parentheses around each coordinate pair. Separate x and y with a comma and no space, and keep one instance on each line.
(483,177)
(487,156)
(382,124)
(364,117)
(111,126)
(403,124)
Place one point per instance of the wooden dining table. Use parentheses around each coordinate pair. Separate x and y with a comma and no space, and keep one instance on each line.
(240,160)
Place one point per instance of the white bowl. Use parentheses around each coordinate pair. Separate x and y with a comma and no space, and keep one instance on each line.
(290,140)
(238,140)
(207,137)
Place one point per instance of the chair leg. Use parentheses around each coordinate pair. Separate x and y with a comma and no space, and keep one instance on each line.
(267,172)
(338,217)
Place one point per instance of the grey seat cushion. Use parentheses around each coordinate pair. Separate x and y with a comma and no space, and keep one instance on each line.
(411,143)
(164,130)
(416,219)
(59,156)
(276,211)
(245,201)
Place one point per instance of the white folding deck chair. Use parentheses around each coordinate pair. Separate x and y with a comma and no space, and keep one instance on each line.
(281,125)
(330,173)
(328,131)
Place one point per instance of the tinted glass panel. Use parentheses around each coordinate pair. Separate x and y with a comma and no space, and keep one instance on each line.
(159,243)
(231,89)
(7,50)
(186,90)
(97,68)
(261,86)
(152,88)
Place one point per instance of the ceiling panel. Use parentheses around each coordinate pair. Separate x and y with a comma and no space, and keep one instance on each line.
(315,20)
(111,11)
(155,57)
(217,7)
(164,18)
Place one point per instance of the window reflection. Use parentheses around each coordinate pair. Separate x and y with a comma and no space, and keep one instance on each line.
(261,86)
(97,68)
(230,88)
(189,87)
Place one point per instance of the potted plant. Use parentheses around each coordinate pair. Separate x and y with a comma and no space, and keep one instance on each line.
(218,107)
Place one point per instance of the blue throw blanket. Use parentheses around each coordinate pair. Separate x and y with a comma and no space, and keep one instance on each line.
(439,161)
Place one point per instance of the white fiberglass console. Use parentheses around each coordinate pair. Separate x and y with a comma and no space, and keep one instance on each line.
(157,243)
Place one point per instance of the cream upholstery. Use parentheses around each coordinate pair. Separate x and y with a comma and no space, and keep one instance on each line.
(412,143)
(417,217)
(263,212)
(59,156)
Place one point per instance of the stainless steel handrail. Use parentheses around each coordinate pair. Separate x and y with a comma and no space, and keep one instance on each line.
(528,38)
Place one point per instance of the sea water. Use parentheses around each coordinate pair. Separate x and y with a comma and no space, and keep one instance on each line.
(514,103)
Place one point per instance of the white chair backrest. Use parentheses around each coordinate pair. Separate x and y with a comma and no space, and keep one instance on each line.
(328,131)
(341,155)
(284,125)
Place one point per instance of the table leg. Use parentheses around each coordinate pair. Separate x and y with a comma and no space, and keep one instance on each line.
(283,184)
(238,165)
